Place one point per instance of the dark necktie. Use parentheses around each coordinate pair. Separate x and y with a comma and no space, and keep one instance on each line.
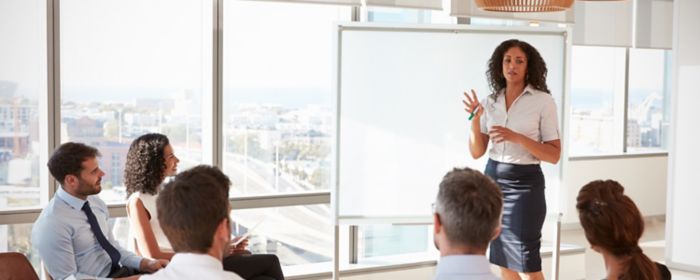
(95,227)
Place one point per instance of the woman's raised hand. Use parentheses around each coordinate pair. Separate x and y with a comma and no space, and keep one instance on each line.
(472,105)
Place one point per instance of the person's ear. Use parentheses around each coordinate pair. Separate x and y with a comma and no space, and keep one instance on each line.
(437,224)
(70,180)
(223,231)
(496,232)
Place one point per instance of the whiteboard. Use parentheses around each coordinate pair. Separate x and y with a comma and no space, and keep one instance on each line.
(401,122)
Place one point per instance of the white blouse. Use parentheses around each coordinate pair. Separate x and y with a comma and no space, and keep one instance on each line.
(533,114)
(149,202)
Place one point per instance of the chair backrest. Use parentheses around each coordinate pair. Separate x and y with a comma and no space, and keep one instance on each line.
(15,266)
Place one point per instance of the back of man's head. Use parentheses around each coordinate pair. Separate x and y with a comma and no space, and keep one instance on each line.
(215,173)
(190,209)
(469,206)
(67,159)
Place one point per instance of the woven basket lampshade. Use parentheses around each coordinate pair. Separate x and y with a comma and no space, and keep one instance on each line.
(524,6)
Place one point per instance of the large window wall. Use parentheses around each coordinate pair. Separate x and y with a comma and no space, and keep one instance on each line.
(164,70)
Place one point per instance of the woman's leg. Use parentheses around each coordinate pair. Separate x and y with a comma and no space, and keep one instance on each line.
(532,275)
(508,274)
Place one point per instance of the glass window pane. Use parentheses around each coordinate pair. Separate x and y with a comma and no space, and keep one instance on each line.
(298,235)
(278,92)
(402,15)
(647,117)
(398,15)
(597,97)
(23,87)
(386,240)
(123,78)
(17,238)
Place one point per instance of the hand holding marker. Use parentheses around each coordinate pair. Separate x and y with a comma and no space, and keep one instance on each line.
(471,116)
(472,105)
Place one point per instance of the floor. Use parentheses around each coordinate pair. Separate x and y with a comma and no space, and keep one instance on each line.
(652,244)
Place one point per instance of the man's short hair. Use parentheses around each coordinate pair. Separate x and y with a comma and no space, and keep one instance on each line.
(68,160)
(469,205)
(190,208)
(216,174)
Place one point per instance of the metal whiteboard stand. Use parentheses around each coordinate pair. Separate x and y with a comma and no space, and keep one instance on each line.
(555,247)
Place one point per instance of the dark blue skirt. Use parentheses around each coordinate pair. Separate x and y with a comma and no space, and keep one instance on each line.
(524,209)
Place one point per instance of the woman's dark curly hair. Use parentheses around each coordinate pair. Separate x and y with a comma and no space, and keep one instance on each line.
(145,164)
(536,68)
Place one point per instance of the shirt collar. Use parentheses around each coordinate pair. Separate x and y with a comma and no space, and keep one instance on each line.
(194,259)
(73,201)
(528,89)
(465,264)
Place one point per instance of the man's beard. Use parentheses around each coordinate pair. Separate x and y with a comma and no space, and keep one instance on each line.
(85,188)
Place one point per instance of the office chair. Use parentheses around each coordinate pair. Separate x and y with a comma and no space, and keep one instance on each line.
(15,266)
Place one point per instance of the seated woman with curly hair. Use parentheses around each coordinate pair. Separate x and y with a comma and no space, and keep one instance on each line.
(613,225)
(149,162)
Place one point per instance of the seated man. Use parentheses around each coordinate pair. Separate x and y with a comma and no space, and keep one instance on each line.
(237,258)
(193,213)
(467,217)
(71,233)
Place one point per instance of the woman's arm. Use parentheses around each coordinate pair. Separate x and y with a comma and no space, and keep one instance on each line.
(548,151)
(145,239)
(478,141)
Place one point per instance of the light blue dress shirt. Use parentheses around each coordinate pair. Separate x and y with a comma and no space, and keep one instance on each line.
(464,267)
(66,244)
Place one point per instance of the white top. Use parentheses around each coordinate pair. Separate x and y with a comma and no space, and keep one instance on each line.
(149,202)
(193,266)
(533,114)
(464,267)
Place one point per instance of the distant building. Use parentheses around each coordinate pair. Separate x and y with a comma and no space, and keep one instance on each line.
(634,134)
(113,160)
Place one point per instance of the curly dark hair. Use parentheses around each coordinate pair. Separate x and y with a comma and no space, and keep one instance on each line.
(536,67)
(145,164)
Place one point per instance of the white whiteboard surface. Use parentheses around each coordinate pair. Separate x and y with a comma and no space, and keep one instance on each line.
(402,125)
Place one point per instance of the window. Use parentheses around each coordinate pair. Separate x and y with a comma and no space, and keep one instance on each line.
(17,238)
(298,235)
(597,97)
(402,15)
(23,87)
(601,79)
(647,114)
(278,89)
(385,240)
(123,78)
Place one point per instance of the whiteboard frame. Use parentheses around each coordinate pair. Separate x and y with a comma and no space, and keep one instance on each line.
(438,28)
(341,27)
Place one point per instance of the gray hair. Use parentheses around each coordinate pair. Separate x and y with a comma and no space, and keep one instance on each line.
(469,205)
